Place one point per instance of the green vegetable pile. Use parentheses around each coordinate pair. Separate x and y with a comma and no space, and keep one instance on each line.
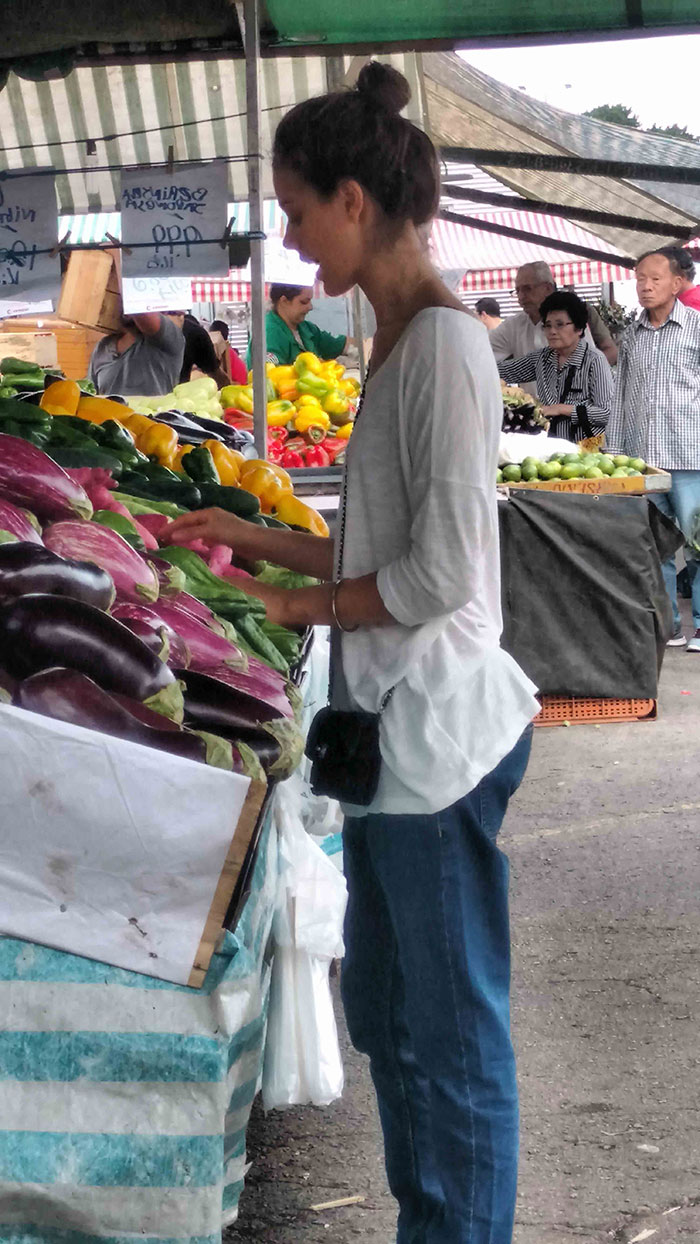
(571,466)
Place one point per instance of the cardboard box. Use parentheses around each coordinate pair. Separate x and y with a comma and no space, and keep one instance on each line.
(91,290)
(654,481)
(41,348)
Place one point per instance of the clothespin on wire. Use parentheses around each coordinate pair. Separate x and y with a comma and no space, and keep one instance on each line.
(56,250)
(119,245)
(227,234)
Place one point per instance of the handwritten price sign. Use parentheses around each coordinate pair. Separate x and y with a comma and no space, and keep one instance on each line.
(173,222)
(156,293)
(28,231)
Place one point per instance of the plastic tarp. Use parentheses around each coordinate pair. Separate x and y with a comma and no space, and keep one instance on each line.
(585,610)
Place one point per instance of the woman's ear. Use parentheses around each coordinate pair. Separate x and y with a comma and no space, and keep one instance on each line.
(352,199)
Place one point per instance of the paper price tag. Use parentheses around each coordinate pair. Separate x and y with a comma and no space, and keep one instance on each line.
(142,294)
(28,231)
(173,222)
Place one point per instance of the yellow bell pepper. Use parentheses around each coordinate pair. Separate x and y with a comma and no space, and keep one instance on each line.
(310,417)
(238,395)
(228,462)
(176,464)
(307,399)
(349,386)
(289,509)
(336,403)
(281,376)
(99,409)
(333,370)
(61,398)
(159,441)
(306,361)
(252,464)
(137,424)
(264,484)
(343,434)
(279,413)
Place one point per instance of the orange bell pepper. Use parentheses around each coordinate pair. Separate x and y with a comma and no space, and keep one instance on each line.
(228,462)
(160,441)
(61,398)
(265,484)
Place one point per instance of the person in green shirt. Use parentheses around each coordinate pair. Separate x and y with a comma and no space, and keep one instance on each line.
(287,332)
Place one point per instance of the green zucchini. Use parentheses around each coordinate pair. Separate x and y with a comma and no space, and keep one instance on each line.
(71,457)
(228,497)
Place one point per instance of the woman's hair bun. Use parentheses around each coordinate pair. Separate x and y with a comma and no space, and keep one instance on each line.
(384,86)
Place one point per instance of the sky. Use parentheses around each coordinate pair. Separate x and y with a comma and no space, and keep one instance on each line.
(649,75)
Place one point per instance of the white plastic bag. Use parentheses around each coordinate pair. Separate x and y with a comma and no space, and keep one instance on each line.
(302,1055)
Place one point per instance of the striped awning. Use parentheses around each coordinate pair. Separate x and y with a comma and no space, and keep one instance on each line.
(491,261)
(221,291)
(131,114)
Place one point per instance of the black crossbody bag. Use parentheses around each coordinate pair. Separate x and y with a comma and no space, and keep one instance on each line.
(343,747)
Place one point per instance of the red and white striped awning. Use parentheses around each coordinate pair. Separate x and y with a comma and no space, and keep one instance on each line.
(491,260)
(225,291)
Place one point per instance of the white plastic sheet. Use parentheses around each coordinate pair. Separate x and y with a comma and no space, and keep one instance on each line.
(302,1055)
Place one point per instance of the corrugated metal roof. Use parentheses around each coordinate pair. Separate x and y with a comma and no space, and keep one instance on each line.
(466,108)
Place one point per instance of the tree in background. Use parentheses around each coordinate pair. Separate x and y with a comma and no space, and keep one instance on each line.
(620,114)
(616,114)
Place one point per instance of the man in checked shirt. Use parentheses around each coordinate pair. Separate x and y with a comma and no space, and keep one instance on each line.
(656,407)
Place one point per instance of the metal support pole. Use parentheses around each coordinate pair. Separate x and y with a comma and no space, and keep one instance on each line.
(358,330)
(251,36)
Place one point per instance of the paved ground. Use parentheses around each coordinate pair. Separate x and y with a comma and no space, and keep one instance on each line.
(604,841)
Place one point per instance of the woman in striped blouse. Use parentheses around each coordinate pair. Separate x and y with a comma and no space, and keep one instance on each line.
(574,380)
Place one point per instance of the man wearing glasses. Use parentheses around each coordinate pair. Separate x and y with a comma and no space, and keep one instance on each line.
(522,333)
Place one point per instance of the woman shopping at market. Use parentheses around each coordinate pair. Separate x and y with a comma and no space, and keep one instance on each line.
(410,589)
(574,380)
(288,332)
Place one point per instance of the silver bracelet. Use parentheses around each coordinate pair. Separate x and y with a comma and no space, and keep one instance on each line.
(334,599)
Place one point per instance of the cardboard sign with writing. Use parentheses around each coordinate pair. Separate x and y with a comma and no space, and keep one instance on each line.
(28,232)
(142,294)
(173,222)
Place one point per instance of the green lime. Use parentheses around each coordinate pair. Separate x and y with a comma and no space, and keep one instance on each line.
(550,470)
(558,457)
(571,471)
(575,458)
(618,472)
(511,474)
(606,464)
(621,460)
(529,472)
(499,476)
(593,473)
(528,462)
(633,471)
(639,464)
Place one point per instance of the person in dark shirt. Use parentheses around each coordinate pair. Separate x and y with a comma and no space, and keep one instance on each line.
(199,349)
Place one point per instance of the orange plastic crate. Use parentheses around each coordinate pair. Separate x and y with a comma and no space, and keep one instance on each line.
(575,710)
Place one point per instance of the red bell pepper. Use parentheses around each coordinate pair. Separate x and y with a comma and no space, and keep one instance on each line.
(316,456)
(334,447)
(290,458)
(275,451)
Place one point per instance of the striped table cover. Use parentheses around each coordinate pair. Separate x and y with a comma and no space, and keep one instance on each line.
(124,1100)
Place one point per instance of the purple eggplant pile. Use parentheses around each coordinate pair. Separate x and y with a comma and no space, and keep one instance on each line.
(98,635)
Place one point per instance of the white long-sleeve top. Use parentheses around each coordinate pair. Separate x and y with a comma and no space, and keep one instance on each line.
(421,511)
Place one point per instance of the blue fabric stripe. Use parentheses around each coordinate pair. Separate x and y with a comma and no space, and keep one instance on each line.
(122,1056)
(234,1145)
(109,1161)
(243,1096)
(332,844)
(231,1197)
(27,1234)
(246,1039)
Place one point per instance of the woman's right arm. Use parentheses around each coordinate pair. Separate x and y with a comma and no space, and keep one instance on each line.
(307,554)
(521,369)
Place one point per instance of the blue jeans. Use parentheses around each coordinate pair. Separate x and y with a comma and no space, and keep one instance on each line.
(681,503)
(425,984)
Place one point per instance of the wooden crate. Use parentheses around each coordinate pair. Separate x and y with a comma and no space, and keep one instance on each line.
(655,481)
(91,290)
(574,710)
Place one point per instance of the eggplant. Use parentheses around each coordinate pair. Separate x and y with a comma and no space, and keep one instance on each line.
(18,523)
(171,580)
(26,568)
(188,432)
(133,577)
(40,631)
(212,704)
(69,696)
(258,681)
(29,477)
(206,648)
(151,626)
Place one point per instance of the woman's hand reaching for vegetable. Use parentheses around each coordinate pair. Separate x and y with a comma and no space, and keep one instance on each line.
(215,526)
